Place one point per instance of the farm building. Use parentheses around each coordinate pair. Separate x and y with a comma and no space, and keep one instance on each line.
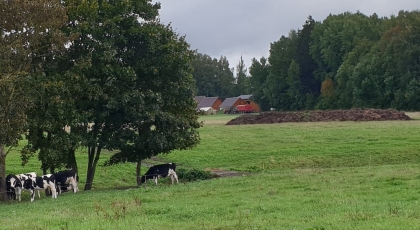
(213,102)
(208,110)
(249,101)
(229,104)
(198,99)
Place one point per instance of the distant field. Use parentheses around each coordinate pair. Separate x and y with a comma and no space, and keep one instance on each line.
(218,118)
(327,175)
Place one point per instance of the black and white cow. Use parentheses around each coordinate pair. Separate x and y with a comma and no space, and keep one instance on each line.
(13,187)
(67,178)
(162,170)
(41,183)
(24,176)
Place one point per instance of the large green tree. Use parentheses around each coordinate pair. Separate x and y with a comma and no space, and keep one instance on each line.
(242,81)
(214,78)
(100,61)
(224,74)
(294,90)
(282,53)
(388,75)
(309,85)
(333,40)
(29,36)
(205,69)
(160,116)
(134,82)
(50,121)
(259,71)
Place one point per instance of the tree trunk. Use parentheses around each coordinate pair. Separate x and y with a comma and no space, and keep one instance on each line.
(138,173)
(3,195)
(73,163)
(72,160)
(43,165)
(92,163)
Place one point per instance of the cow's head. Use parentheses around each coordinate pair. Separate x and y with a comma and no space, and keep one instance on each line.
(16,183)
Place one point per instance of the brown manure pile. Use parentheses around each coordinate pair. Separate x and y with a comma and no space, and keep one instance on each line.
(321,115)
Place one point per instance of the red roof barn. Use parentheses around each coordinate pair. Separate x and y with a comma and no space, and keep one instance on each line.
(213,102)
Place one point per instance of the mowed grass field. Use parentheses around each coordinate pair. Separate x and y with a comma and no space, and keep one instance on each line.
(330,175)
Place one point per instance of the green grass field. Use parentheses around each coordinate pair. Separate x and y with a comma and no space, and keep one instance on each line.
(330,175)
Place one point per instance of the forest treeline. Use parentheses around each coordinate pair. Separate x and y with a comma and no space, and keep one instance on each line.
(349,60)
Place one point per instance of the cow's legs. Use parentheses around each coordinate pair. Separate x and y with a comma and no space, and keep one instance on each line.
(18,193)
(59,188)
(11,194)
(53,191)
(156,179)
(173,176)
(176,177)
(73,184)
(32,195)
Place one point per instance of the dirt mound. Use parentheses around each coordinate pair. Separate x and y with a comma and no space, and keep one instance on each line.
(321,115)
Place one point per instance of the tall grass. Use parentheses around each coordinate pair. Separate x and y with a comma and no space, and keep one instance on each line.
(335,175)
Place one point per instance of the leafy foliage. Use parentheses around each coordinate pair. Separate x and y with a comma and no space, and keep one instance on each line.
(259,71)
(28,39)
(214,78)
(188,175)
(361,61)
(243,85)
(124,82)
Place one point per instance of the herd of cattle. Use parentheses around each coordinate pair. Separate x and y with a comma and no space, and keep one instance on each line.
(68,179)
(31,182)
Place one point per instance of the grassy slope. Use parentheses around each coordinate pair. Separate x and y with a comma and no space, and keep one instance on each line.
(339,175)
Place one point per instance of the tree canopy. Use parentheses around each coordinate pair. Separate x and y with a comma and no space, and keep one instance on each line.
(28,39)
(123,81)
(348,60)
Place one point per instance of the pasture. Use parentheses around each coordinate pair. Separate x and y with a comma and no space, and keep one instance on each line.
(326,175)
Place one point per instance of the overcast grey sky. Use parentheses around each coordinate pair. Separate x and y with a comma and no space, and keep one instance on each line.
(233,28)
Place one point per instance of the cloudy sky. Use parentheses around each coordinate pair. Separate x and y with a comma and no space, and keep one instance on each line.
(235,28)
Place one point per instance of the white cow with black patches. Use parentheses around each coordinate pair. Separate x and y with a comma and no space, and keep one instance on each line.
(41,183)
(13,187)
(25,176)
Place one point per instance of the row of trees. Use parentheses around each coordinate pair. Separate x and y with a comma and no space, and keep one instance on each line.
(214,78)
(108,71)
(348,60)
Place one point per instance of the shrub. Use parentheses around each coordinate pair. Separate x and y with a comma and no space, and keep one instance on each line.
(193,174)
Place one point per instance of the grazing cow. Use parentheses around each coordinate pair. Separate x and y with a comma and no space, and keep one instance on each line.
(66,178)
(13,187)
(41,183)
(162,170)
